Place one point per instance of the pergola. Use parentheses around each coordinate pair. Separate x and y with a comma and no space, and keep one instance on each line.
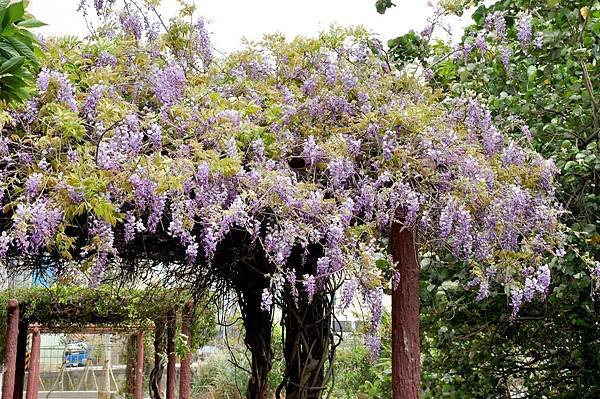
(24,317)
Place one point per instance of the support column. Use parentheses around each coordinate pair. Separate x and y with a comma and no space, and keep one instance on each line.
(10,351)
(171,357)
(21,354)
(131,365)
(186,362)
(34,365)
(406,363)
(139,368)
(156,373)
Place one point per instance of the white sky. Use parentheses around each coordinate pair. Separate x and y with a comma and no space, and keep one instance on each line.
(230,20)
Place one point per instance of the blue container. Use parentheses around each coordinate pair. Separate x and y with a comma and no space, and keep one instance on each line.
(76,358)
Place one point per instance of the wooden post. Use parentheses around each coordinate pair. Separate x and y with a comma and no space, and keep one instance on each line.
(139,368)
(21,354)
(406,363)
(186,362)
(171,358)
(131,365)
(10,351)
(34,365)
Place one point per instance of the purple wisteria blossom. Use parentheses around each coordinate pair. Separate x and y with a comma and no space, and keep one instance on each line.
(310,287)
(538,41)
(523,27)
(132,24)
(373,345)
(202,42)
(266,301)
(168,83)
(505,54)
(64,91)
(33,185)
(106,59)
(311,153)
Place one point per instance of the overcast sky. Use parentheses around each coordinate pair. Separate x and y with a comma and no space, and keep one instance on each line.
(230,20)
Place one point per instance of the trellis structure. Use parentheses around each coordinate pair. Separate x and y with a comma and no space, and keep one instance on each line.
(29,311)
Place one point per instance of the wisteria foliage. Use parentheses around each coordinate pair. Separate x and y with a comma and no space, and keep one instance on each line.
(309,141)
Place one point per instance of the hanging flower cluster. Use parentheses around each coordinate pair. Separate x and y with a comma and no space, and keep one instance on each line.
(301,143)
(493,42)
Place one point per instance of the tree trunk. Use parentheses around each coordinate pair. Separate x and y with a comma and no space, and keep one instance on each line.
(258,341)
(308,336)
(308,340)
(250,283)
(186,362)
(406,364)
(157,372)
(171,356)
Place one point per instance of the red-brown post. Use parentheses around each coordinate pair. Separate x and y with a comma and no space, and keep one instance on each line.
(171,358)
(139,367)
(131,364)
(186,362)
(10,351)
(21,355)
(406,361)
(34,365)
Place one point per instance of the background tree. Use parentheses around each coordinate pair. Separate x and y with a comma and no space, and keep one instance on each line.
(535,65)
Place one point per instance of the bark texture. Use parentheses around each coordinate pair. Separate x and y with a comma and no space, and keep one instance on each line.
(308,342)
(157,371)
(186,362)
(251,280)
(139,366)
(171,356)
(406,364)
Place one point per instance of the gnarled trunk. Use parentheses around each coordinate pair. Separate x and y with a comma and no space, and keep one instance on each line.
(157,372)
(307,347)
(308,342)
(171,356)
(251,280)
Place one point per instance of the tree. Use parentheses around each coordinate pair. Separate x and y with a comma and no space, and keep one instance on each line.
(534,65)
(282,166)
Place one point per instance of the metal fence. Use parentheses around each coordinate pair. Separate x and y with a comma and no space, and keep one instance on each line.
(97,348)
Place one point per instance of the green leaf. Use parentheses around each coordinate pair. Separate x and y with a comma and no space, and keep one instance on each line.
(9,49)
(11,64)
(31,23)
(23,49)
(13,14)
(531,72)
(3,7)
